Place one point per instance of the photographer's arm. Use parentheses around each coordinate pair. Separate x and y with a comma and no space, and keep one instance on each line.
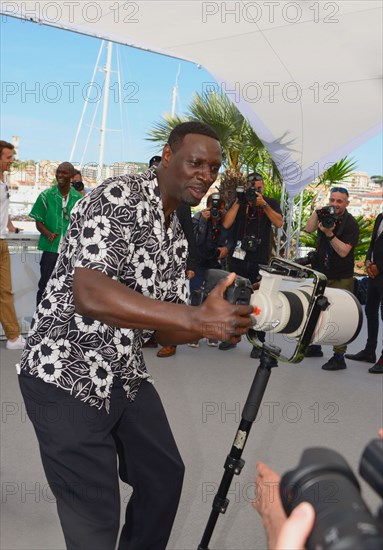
(312,223)
(231,214)
(102,298)
(275,218)
(341,248)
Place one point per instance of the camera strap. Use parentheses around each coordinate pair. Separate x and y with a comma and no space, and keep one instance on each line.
(251,215)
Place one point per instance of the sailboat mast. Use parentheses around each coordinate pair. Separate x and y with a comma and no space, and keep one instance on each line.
(105,107)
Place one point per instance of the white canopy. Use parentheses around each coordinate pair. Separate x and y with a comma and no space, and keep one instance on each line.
(306,74)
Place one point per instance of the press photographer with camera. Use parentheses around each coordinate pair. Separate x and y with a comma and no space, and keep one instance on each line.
(211,239)
(338,234)
(77,182)
(210,236)
(250,220)
(322,499)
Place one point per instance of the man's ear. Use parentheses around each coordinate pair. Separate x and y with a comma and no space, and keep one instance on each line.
(166,155)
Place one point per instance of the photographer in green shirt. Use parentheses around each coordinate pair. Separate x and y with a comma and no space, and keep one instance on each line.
(52,214)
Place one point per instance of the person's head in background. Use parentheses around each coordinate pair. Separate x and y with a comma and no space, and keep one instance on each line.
(78,183)
(154,161)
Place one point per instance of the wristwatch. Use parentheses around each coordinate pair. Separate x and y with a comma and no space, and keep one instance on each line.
(331,238)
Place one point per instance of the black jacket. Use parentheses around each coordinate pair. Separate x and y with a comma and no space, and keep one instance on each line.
(375,251)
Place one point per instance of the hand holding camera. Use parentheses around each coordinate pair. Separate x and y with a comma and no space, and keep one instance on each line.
(327,219)
(224,315)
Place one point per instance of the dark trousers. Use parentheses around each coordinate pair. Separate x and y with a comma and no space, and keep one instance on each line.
(47,265)
(374,303)
(80,446)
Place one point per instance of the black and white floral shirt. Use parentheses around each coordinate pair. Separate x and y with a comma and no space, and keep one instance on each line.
(118,229)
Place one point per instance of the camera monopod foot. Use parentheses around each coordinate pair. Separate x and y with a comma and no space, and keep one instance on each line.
(234,463)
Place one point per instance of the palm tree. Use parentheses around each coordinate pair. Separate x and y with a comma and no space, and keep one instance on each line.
(242,149)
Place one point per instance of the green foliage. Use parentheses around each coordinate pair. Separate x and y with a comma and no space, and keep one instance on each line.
(337,173)
(241,147)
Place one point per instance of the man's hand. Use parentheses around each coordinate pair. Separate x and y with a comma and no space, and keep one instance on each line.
(223,252)
(372,270)
(205,214)
(260,200)
(190,274)
(52,236)
(218,318)
(328,231)
(12,229)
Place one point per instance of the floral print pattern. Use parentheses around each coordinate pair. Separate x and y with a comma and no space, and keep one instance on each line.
(119,230)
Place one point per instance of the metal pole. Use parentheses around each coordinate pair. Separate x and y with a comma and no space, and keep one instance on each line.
(105,107)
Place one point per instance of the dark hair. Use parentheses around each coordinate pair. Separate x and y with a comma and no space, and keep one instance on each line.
(193,127)
(254,176)
(77,173)
(5,145)
(67,165)
(154,159)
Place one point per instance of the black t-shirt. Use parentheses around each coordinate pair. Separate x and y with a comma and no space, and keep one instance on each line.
(254,222)
(329,262)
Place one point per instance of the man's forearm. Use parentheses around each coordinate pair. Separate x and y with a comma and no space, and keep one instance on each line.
(275,218)
(230,215)
(312,223)
(102,298)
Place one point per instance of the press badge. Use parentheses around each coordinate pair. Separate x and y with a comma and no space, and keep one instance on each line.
(238,253)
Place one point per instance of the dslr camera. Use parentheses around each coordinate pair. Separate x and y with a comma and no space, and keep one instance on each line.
(215,211)
(310,259)
(327,216)
(342,519)
(78,185)
(251,192)
(305,313)
(250,243)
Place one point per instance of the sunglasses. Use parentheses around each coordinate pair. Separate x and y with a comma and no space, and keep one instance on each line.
(339,190)
(66,213)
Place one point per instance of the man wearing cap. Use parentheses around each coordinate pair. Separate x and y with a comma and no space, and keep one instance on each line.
(250,219)
(335,258)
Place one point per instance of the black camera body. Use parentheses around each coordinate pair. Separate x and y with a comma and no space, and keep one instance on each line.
(215,210)
(327,216)
(342,520)
(310,259)
(78,185)
(251,193)
(250,243)
(239,292)
(240,193)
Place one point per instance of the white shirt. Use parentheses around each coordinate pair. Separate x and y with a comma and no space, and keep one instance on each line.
(4,207)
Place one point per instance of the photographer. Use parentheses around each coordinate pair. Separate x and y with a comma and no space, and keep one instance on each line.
(338,234)
(77,182)
(307,515)
(250,219)
(210,236)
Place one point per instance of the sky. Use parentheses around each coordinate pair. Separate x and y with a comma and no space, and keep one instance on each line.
(46,74)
